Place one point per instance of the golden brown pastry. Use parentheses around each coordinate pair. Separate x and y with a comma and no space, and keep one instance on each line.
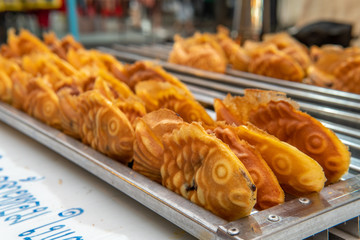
(158,95)
(269,61)
(68,110)
(204,170)
(236,55)
(297,173)
(6,87)
(348,75)
(104,127)
(61,47)
(132,107)
(20,80)
(118,93)
(58,71)
(325,61)
(279,56)
(148,148)
(91,61)
(115,88)
(42,102)
(269,192)
(318,77)
(22,44)
(199,51)
(279,116)
(146,70)
(335,67)
(290,46)
(97,121)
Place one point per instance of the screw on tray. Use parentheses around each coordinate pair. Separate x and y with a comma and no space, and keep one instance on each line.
(304,200)
(273,218)
(233,231)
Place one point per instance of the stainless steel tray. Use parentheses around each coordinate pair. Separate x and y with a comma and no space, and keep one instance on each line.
(295,219)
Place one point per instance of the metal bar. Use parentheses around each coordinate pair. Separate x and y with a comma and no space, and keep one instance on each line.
(351,226)
(141,50)
(352,132)
(324,235)
(353,143)
(337,234)
(236,17)
(355,165)
(72,18)
(161,51)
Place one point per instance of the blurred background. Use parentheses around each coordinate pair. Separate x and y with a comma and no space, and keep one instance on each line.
(104,22)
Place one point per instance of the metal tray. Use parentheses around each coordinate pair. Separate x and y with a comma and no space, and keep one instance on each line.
(297,218)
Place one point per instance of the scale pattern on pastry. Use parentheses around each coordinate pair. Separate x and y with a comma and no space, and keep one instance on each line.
(199,51)
(158,95)
(279,116)
(269,192)
(104,127)
(204,170)
(148,147)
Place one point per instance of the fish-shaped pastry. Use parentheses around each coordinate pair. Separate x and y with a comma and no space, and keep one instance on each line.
(68,110)
(199,51)
(120,94)
(6,87)
(7,68)
(42,102)
(104,126)
(148,148)
(276,114)
(348,75)
(269,191)
(237,57)
(22,44)
(147,70)
(297,173)
(203,169)
(268,60)
(20,80)
(158,95)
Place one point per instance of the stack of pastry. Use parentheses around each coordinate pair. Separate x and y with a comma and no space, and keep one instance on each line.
(260,146)
(335,67)
(278,56)
(200,51)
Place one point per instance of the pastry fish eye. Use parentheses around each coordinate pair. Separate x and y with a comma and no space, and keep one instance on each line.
(315,143)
